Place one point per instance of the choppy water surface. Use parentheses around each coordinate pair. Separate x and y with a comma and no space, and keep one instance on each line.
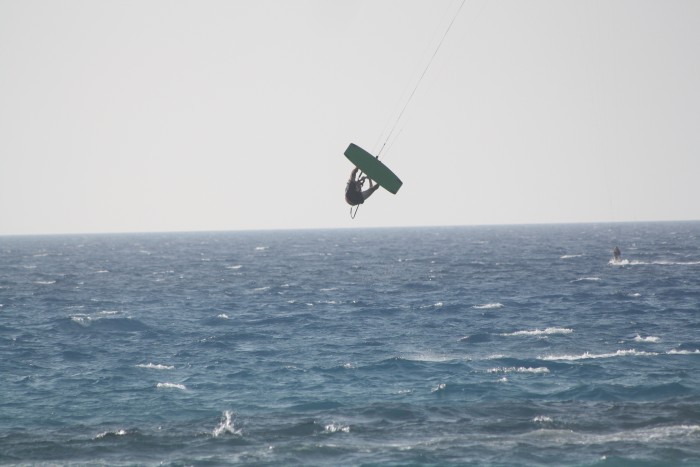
(482,345)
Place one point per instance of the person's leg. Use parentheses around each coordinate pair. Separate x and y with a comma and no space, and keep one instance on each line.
(368,192)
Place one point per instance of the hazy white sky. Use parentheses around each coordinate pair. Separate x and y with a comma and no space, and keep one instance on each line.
(120,115)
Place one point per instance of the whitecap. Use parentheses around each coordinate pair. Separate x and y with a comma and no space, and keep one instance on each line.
(570,256)
(642,435)
(261,289)
(336,427)
(497,356)
(44,282)
(222,316)
(429,357)
(676,263)
(587,279)
(83,320)
(589,356)
(542,419)
(104,434)
(226,425)
(439,387)
(652,339)
(683,352)
(171,386)
(261,248)
(155,366)
(539,332)
(235,266)
(488,306)
(512,369)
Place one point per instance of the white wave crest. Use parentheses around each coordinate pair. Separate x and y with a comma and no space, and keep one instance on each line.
(522,369)
(570,256)
(542,419)
(235,266)
(171,386)
(83,320)
(488,306)
(587,279)
(222,316)
(540,332)
(652,339)
(672,433)
(226,425)
(121,432)
(589,356)
(439,387)
(635,262)
(336,427)
(668,263)
(683,352)
(155,366)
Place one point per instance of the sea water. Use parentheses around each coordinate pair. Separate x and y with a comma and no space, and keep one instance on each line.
(510,345)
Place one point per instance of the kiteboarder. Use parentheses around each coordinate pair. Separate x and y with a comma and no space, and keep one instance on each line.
(353,190)
(616,254)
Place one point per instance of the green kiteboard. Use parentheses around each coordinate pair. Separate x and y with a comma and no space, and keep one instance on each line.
(373,168)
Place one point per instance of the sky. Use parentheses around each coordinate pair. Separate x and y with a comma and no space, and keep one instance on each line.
(171,115)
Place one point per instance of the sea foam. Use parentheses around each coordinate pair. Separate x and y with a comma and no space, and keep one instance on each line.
(589,356)
(651,339)
(226,425)
(171,386)
(540,332)
(154,366)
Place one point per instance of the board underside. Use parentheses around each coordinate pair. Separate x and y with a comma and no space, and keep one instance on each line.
(373,168)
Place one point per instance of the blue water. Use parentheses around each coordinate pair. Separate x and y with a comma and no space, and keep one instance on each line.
(520,345)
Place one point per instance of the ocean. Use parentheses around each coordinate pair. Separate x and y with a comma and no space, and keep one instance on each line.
(493,345)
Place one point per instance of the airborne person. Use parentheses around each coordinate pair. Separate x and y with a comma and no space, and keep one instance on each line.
(353,190)
(616,254)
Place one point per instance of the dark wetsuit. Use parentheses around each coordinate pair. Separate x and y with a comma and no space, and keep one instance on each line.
(353,193)
(616,254)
